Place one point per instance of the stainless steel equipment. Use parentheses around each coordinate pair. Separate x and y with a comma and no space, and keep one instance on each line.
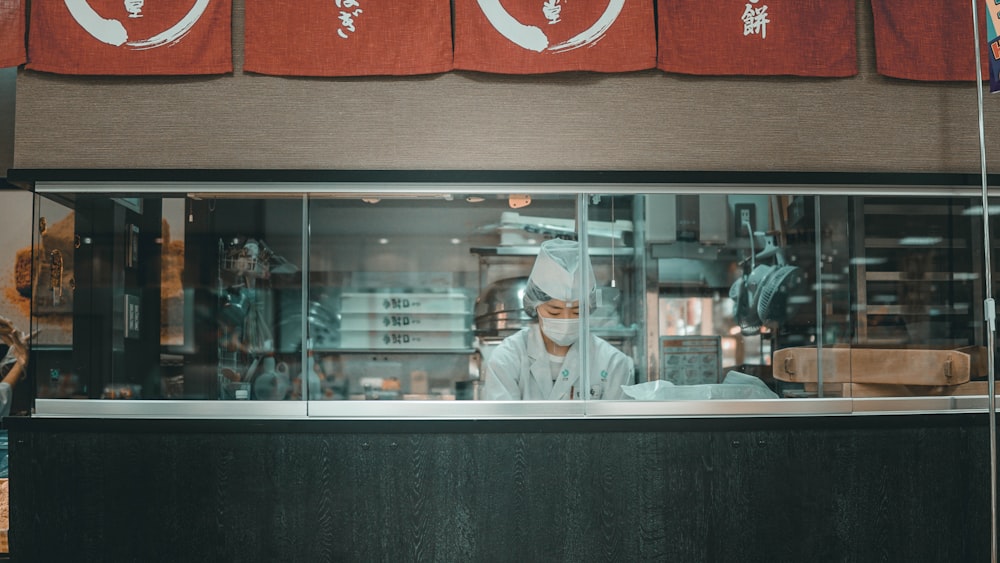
(500,308)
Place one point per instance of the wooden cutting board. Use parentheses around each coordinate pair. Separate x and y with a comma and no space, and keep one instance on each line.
(890,366)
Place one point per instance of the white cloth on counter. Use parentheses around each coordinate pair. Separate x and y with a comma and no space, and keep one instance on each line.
(736,385)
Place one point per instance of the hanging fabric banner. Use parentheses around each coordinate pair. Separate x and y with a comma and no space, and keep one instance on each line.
(542,36)
(12,52)
(130,37)
(758,37)
(927,40)
(348,37)
(993,43)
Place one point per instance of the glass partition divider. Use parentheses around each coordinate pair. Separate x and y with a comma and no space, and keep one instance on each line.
(307,357)
(585,289)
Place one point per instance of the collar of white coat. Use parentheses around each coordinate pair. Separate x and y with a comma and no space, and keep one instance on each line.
(540,370)
(536,346)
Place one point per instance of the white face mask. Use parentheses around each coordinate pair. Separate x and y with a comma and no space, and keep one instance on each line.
(563,332)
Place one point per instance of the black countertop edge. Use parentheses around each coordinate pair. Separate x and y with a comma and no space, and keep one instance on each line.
(476,426)
(26,176)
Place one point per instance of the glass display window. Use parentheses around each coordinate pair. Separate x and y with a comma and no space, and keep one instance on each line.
(385,300)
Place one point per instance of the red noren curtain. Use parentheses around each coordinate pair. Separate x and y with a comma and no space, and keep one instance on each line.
(927,40)
(348,37)
(758,37)
(543,36)
(12,52)
(130,37)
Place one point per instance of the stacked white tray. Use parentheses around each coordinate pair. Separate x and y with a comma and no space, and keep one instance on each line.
(405,321)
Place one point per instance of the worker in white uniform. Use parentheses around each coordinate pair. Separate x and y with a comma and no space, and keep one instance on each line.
(542,361)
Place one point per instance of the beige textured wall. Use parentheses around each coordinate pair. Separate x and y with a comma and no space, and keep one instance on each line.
(8,77)
(462,120)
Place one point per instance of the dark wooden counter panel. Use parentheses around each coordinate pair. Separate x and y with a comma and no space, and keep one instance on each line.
(851,488)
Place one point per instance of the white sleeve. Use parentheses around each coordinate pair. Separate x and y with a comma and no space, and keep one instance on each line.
(621,372)
(502,374)
(6,394)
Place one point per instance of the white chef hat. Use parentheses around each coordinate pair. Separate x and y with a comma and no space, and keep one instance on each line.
(557,272)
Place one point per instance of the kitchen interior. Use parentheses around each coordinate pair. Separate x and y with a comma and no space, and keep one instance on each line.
(394,295)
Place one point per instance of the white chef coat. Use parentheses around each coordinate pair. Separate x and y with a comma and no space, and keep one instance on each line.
(519,369)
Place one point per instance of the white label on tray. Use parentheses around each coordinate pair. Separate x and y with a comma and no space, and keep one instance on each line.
(399,339)
(404,303)
(400,304)
(399,321)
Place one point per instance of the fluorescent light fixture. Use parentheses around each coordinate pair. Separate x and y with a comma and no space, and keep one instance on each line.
(919,241)
(868,261)
(978,210)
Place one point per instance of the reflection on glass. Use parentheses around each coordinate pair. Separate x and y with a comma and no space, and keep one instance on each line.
(163,297)
(812,296)
(405,296)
